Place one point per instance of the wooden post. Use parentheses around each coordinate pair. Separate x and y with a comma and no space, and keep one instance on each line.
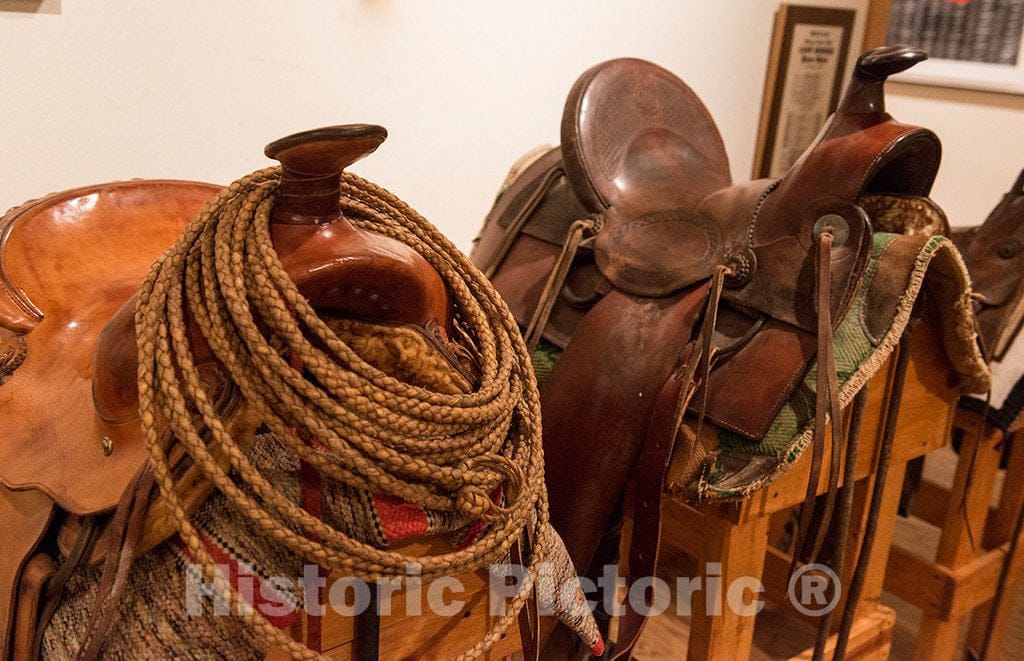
(962,532)
(997,533)
(716,631)
(877,25)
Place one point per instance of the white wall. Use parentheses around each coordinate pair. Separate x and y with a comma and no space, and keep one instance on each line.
(982,141)
(93,91)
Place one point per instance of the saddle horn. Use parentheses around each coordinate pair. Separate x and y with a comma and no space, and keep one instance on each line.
(311,166)
(344,270)
(866,91)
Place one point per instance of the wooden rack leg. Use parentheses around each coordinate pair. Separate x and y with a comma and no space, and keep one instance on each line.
(962,531)
(872,592)
(999,530)
(741,550)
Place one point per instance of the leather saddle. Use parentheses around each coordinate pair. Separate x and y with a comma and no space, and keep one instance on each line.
(994,253)
(669,293)
(70,264)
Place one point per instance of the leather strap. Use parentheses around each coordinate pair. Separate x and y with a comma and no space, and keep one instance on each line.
(31,588)
(26,515)
(877,492)
(650,472)
(826,404)
(845,512)
(127,527)
(830,379)
(529,616)
(88,533)
(579,230)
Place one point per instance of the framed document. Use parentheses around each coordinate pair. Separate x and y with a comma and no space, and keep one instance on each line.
(806,67)
(973,44)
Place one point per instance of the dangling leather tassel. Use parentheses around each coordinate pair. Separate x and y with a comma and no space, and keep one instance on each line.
(707,332)
(838,561)
(579,230)
(826,399)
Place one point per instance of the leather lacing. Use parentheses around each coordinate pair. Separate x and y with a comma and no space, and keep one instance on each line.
(448,453)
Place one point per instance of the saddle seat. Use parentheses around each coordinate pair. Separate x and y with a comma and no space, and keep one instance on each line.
(69,261)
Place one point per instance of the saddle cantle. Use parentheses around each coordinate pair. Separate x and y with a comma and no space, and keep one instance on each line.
(666,291)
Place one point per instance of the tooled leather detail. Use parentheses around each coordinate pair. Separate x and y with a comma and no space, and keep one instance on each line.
(8,288)
(13,351)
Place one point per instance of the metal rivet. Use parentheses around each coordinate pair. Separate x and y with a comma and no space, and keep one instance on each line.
(108,446)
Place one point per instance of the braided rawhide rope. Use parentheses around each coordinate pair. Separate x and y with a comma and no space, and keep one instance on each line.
(443,452)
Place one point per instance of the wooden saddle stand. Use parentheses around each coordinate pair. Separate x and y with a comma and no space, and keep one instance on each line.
(70,265)
(668,292)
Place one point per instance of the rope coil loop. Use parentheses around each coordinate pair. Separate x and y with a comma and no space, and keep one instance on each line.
(444,452)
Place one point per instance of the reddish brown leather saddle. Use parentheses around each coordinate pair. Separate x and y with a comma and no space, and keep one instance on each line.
(70,264)
(667,291)
(994,253)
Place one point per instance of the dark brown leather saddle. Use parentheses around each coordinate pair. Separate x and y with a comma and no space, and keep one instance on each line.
(668,293)
(994,253)
(70,264)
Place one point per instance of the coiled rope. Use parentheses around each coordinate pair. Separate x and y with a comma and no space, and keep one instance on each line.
(444,452)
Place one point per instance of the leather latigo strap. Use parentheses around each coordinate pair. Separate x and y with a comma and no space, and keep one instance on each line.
(657,449)
(994,253)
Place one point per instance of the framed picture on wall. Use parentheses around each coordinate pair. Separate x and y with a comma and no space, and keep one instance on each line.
(806,67)
(972,44)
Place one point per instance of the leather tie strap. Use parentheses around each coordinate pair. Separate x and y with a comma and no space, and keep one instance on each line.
(654,459)
(826,405)
(845,511)
(126,531)
(579,230)
(877,492)
(87,535)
